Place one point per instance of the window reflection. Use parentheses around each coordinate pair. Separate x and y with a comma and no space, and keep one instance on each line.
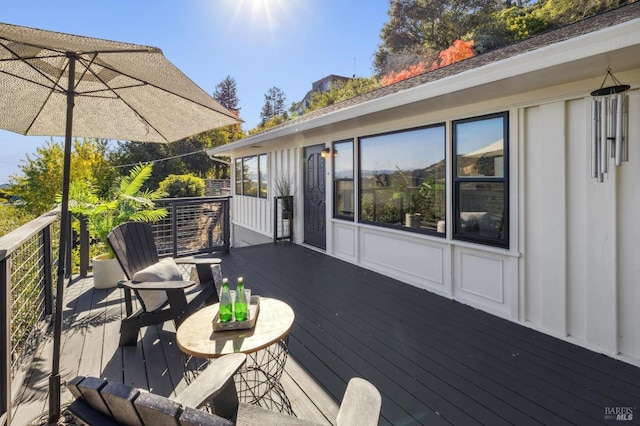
(480,148)
(238,176)
(403,179)
(343,191)
(480,183)
(250,176)
(263,176)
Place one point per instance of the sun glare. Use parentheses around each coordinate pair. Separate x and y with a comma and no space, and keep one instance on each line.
(260,16)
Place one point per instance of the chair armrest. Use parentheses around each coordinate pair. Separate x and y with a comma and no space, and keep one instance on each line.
(360,405)
(192,260)
(155,285)
(211,382)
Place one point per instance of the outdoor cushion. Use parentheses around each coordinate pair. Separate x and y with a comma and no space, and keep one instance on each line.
(164,270)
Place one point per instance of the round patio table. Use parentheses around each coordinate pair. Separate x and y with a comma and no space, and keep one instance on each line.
(266,346)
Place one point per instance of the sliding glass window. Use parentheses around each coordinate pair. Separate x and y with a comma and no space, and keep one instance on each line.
(238,175)
(481,179)
(402,179)
(343,191)
(263,176)
(251,176)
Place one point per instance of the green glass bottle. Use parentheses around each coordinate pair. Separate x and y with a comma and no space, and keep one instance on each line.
(241,302)
(226,306)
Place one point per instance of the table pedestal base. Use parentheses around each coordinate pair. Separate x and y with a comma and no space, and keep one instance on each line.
(258,380)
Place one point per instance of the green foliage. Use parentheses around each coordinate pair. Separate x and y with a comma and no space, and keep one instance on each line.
(521,23)
(127,201)
(341,91)
(13,217)
(41,177)
(178,186)
(274,105)
(272,122)
(421,26)
(226,93)
(419,29)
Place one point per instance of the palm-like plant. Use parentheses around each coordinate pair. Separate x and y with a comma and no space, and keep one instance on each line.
(126,202)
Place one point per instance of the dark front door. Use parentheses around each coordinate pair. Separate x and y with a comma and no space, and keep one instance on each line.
(314,197)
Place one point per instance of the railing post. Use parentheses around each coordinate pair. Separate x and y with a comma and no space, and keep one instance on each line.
(227,224)
(68,260)
(174,227)
(5,339)
(84,247)
(47,268)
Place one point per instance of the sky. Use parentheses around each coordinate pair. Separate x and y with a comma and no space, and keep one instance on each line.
(288,44)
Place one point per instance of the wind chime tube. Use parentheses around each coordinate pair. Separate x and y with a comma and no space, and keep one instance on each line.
(603,136)
(594,138)
(625,127)
(611,121)
(618,137)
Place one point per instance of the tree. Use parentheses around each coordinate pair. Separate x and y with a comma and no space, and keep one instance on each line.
(41,178)
(561,12)
(273,106)
(458,51)
(420,27)
(178,186)
(226,93)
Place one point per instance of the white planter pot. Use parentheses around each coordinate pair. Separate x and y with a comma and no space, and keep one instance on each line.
(106,272)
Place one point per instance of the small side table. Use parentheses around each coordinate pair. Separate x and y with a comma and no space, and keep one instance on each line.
(266,346)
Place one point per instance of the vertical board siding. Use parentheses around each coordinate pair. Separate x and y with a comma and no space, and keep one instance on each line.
(580,262)
(628,257)
(578,163)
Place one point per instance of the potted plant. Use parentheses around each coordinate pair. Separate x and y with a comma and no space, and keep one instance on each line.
(125,202)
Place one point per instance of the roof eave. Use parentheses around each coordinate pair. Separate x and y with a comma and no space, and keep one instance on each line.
(569,51)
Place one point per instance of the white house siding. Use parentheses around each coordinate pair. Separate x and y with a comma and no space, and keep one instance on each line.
(573,266)
(255,215)
(580,252)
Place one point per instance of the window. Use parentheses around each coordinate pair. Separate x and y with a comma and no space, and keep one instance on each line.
(402,179)
(251,176)
(480,179)
(263,177)
(343,194)
(238,176)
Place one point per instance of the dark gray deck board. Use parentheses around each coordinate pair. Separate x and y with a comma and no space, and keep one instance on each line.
(435,361)
(431,358)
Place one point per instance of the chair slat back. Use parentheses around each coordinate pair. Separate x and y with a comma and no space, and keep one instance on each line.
(134,246)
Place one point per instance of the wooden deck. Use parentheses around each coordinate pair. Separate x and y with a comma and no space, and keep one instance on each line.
(434,361)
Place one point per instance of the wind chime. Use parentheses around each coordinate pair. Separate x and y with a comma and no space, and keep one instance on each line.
(609,126)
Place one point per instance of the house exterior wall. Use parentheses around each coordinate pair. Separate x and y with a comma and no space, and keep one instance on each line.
(572,269)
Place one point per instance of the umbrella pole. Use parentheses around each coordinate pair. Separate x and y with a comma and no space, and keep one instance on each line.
(54,379)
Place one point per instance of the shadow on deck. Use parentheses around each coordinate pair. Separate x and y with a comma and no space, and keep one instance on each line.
(435,361)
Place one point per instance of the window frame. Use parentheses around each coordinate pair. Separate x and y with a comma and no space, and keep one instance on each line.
(336,214)
(457,181)
(240,182)
(403,227)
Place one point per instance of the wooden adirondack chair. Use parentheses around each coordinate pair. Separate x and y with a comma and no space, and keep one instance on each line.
(108,403)
(158,285)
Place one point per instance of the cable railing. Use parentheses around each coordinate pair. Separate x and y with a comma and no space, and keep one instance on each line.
(28,268)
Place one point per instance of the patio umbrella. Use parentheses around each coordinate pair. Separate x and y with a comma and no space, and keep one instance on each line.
(59,84)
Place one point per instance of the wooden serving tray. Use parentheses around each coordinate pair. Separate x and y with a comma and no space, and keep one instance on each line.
(254,310)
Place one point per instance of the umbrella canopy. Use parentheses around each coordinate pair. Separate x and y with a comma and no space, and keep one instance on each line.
(59,84)
(122,91)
